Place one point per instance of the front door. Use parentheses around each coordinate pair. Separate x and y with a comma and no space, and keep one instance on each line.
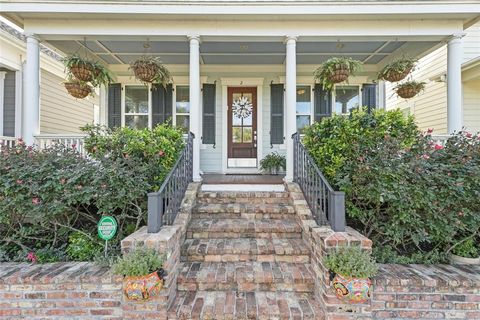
(242,127)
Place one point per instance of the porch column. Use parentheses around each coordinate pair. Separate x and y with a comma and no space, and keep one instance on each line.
(454,83)
(31,114)
(195,107)
(291,101)
(2,90)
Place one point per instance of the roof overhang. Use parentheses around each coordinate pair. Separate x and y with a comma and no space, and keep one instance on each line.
(471,70)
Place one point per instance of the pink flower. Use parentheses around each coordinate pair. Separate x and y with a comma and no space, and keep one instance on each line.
(79,187)
(29,148)
(32,257)
(74,146)
(468,134)
(426,156)
(460,214)
(36,200)
(104,185)
(19,181)
(438,147)
(63,180)
(161,153)
(430,130)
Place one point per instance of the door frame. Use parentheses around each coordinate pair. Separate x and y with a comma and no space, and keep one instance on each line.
(241,82)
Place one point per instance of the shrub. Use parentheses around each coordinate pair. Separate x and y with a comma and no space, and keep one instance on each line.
(273,162)
(139,262)
(413,198)
(351,262)
(466,249)
(82,248)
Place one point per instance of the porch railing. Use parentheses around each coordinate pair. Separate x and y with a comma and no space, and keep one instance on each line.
(7,142)
(75,141)
(164,205)
(326,204)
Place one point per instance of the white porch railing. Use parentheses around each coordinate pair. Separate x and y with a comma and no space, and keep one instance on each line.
(7,141)
(441,139)
(70,140)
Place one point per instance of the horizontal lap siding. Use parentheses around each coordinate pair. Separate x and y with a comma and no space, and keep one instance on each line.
(61,113)
(471,105)
(471,43)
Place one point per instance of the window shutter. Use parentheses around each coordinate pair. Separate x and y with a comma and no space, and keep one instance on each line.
(161,104)
(369,96)
(276,114)
(114,105)
(208,99)
(322,103)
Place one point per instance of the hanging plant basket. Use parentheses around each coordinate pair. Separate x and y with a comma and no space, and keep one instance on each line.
(145,72)
(150,70)
(78,89)
(397,70)
(409,89)
(336,70)
(82,71)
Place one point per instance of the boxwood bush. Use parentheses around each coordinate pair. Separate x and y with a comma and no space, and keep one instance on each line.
(52,199)
(415,199)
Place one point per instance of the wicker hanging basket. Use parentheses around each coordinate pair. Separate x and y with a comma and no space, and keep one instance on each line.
(145,72)
(78,90)
(82,71)
(407,92)
(394,76)
(339,75)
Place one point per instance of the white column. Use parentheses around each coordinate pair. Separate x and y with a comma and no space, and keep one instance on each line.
(291,101)
(31,114)
(454,84)
(2,99)
(195,107)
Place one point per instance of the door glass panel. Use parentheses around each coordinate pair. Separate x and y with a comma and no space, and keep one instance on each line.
(302,122)
(183,122)
(236,121)
(346,98)
(247,134)
(247,121)
(136,122)
(136,99)
(182,97)
(237,134)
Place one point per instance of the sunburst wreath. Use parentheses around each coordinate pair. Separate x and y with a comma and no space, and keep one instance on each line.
(242,108)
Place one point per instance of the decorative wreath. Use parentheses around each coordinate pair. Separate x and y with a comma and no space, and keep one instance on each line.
(242,108)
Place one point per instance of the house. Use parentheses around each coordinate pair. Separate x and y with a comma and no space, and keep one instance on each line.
(430,107)
(59,112)
(250,57)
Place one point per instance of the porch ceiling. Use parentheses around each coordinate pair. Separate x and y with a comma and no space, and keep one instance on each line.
(234,52)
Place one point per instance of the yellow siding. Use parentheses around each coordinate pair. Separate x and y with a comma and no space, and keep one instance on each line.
(471,105)
(471,43)
(61,113)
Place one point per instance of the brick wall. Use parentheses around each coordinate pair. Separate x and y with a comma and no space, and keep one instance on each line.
(59,291)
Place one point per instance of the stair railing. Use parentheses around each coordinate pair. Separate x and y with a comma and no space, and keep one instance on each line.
(326,204)
(164,204)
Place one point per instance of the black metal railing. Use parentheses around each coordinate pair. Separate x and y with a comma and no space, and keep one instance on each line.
(326,204)
(164,204)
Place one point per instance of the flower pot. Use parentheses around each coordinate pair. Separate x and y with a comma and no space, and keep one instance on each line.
(407,92)
(142,288)
(145,72)
(339,75)
(77,89)
(394,76)
(352,290)
(82,71)
(454,259)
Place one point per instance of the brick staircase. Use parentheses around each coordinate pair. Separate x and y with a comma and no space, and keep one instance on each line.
(244,258)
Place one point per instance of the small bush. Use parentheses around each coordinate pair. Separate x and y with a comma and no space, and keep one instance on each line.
(466,249)
(82,248)
(273,162)
(351,262)
(139,262)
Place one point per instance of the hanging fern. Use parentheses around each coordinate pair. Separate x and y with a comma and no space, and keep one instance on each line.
(327,73)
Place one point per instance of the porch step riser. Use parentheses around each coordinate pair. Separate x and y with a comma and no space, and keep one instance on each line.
(245,257)
(233,195)
(283,201)
(248,216)
(238,235)
(246,287)
(244,208)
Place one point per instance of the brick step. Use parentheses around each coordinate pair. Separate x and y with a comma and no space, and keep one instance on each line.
(244,249)
(244,197)
(245,276)
(243,228)
(239,208)
(230,305)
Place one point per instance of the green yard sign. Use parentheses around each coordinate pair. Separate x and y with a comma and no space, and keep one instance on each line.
(107,227)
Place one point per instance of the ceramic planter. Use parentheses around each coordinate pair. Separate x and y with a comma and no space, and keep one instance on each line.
(454,259)
(352,290)
(143,288)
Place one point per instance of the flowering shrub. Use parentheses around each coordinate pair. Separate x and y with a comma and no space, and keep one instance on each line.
(415,199)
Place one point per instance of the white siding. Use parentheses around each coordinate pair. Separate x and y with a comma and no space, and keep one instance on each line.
(471,43)
(471,105)
(60,112)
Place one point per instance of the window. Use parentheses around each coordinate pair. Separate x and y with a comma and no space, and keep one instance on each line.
(304,107)
(346,98)
(136,107)
(182,107)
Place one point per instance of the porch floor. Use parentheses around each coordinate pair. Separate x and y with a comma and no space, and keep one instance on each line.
(242,179)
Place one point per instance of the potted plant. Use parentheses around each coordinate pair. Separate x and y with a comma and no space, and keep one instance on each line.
(336,70)
(351,269)
(150,69)
(272,163)
(465,252)
(77,88)
(409,89)
(142,272)
(397,70)
(100,75)
(79,68)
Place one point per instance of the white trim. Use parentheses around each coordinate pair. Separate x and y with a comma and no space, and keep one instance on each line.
(2,99)
(149,102)
(241,82)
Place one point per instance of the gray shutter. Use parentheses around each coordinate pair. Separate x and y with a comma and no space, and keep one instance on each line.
(9,105)
(322,103)
(114,105)
(208,99)
(276,114)
(161,104)
(369,96)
